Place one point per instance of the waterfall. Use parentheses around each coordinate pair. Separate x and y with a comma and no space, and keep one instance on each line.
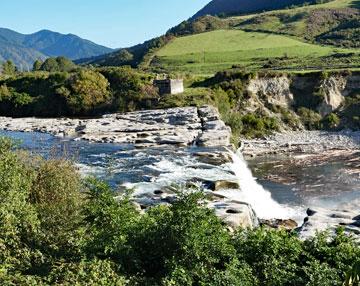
(254,194)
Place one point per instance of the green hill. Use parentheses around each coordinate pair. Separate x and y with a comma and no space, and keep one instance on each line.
(312,37)
(212,51)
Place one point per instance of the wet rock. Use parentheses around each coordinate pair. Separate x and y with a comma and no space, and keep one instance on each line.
(329,220)
(215,157)
(225,185)
(175,126)
(235,214)
(287,224)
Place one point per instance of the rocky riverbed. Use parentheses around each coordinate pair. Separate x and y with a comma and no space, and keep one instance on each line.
(177,126)
(314,164)
(302,142)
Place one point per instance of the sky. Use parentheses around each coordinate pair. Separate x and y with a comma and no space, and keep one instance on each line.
(113,23)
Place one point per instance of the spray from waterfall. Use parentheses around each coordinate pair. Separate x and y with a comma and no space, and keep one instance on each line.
(254,194)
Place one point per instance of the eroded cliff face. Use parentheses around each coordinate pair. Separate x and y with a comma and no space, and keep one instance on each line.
(273,90)
(332,93)
(324,95)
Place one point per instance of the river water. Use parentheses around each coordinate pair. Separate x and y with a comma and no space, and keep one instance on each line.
(149,169)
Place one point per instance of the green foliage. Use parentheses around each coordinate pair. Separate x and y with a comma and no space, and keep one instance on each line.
(37,65)
(108,222)
(57,197)
(81,92)
(257,126)
(310,118)
(331,121)
(353,276)
(18,220)
(86,91)
(8,68)
(87,272)
(59,64)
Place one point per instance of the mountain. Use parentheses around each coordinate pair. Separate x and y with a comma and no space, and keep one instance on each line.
(23,50)
(218,7)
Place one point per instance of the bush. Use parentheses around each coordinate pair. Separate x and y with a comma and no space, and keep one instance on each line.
(331,121)
(86,91)
(57,197)
(310,118)
(93,272)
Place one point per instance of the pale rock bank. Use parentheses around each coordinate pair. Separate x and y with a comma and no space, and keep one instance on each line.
(176,126)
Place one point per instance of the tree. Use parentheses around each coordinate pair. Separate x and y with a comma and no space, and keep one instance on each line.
(37,65)
(50,65)
(9,68)
(64,64)
(123,57)
(87,90)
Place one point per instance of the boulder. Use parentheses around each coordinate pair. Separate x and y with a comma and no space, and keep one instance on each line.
(287,224)
(226,185)
(235,214)
(330,219)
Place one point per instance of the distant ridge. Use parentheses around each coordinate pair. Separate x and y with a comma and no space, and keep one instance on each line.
(23,50)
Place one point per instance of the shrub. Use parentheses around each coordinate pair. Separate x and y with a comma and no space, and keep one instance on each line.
(57,197)
(310,118)
(93,272)
(331,121)
(18,220)
(86,91)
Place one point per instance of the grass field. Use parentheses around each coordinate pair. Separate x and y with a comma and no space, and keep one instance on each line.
(216,50)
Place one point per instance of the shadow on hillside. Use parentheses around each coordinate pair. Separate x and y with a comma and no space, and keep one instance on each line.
(355,4)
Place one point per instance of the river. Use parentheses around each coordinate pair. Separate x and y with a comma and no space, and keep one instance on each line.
(284,190)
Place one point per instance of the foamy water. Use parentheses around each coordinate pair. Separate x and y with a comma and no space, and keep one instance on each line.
(254,194)
(151,169)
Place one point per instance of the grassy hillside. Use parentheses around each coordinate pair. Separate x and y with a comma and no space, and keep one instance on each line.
(221,7)
(216,50)
(312,37)
(336,23)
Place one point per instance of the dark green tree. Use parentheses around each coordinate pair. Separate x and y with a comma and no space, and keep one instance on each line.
(65,64)
(50,65)
(37,65)
(9,68)
(86,91)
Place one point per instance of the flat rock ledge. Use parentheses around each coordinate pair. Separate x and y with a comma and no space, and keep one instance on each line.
(183,126)
(302,142)
(318,220)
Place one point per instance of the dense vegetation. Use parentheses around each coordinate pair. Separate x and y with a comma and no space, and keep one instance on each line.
(59,229)
(73,91)
(234,7)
